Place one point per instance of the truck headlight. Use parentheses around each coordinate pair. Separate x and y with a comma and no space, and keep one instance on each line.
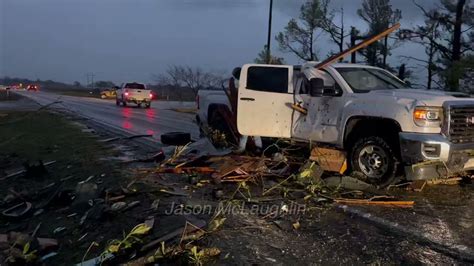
(428,116)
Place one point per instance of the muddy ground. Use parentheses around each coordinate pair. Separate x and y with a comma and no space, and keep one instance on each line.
(260,229)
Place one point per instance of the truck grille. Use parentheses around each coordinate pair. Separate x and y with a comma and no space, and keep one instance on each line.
(461,123)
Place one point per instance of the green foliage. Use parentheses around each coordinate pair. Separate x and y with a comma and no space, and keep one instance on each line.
(379,15)
(116,246)
(265,57)
(299,35)
(453,74)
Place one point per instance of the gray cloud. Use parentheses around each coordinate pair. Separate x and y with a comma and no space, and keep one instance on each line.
(134,39)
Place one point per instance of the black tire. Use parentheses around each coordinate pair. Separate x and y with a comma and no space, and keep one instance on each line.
(375,159)
(148,105)
(139,105)
(176,138)
(117,102)
(124,103)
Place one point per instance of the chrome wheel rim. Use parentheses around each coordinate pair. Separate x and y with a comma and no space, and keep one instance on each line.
(373,161)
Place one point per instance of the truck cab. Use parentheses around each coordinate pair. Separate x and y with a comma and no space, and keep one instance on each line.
(383,125)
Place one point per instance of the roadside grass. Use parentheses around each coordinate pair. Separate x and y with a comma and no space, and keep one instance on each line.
(33,136)
(76,92)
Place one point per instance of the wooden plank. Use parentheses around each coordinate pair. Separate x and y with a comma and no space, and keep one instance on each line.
(331,160)
(373,202)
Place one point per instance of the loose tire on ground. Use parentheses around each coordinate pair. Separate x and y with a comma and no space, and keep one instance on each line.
(176,138)
(374,153)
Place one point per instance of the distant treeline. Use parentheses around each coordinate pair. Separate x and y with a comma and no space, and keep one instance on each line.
(162,92)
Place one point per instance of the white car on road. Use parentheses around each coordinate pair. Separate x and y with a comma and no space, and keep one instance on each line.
(134,92)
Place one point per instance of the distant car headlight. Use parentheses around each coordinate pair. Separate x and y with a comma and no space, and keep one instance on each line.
(425,116)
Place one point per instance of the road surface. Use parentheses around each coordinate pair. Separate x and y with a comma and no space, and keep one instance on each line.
(159,119)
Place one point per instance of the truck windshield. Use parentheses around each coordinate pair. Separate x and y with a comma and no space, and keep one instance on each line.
(136,86)
(369,79)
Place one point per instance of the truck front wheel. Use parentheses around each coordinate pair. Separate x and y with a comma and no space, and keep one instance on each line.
(375,159)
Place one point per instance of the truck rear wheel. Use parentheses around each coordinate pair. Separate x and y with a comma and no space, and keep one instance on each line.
(117,102)
(375,159)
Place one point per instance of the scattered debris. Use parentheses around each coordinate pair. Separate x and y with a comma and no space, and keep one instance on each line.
(445,181)
(331,160)
(30,170)
(118,206)
(18,210)
(128,137)
(15,237)
(85,194)
(197,224)
(417,185)
(59,230)
(349,183)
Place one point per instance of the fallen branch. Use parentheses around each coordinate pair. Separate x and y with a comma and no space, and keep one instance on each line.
(277,185)
(373,202)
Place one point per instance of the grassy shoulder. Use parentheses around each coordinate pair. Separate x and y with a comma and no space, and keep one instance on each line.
(33,136)
(78,93)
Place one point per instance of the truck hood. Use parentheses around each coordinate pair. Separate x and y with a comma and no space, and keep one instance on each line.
(426,97)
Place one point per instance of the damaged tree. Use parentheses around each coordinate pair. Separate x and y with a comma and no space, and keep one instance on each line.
(300,35)
(451,36)
(379,15)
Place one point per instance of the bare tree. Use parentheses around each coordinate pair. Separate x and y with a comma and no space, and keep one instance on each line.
(425,35)
(299,35)
(189,77)
(336,31)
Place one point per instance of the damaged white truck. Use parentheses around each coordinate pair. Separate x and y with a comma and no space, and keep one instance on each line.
(384,126)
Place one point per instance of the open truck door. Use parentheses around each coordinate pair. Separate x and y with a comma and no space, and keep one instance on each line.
(264,100)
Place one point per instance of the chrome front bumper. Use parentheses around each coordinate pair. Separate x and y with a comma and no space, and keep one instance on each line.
(429,156)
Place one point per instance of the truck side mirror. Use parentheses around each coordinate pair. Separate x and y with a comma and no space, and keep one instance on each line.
(316,87)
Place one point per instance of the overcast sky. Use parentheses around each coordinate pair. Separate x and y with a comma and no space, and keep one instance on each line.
(124,40)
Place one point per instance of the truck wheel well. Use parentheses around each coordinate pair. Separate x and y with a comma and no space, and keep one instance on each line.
(358,127)
(212,108)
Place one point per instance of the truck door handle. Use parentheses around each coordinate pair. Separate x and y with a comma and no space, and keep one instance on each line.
(247,99)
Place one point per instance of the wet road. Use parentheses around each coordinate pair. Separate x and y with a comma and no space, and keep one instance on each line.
(157,120)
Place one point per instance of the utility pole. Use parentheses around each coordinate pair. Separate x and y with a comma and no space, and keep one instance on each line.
(90,80)
(269,33)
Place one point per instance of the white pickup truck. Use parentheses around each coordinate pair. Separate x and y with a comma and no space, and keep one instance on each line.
(366,111)
(133,92)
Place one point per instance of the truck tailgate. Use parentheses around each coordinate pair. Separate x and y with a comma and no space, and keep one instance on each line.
(139,95)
